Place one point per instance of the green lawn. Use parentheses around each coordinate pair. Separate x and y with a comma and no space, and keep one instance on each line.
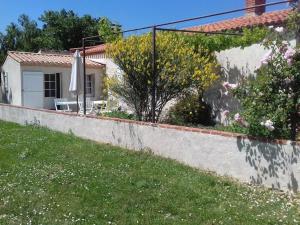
(53,178)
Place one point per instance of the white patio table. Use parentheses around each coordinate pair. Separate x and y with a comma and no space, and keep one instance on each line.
(68,103)
(97,104)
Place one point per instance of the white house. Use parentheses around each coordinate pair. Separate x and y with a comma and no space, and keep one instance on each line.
(36,79)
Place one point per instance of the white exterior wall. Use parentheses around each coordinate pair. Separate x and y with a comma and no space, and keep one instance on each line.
(111,70)
(14,95)
(235,64)
(65,81)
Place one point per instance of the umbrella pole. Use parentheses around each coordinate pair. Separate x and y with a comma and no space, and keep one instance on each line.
(84,78)
(77,105)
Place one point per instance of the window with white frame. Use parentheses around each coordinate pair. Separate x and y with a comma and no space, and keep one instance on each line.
(52,85)
(90,85)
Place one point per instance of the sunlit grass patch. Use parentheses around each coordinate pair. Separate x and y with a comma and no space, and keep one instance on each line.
(52,178)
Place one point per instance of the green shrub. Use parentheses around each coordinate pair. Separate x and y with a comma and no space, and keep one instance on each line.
(179,67)
(190,110)
(119,114)
(271,101)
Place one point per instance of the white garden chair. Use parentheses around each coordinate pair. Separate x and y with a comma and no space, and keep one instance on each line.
(89,106)
(61,106)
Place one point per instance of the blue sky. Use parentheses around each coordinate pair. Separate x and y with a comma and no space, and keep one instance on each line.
(129,13)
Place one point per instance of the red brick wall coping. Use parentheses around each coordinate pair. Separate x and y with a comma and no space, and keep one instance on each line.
(167,126)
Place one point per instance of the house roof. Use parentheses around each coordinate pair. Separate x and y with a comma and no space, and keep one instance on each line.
(95,49)
(275,18)
(44,59)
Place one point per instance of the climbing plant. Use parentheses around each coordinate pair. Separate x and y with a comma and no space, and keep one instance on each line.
(271,101)
(216,43)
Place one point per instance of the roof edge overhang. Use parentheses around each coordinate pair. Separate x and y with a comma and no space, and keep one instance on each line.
(10,54)
(100,66)
(203,27)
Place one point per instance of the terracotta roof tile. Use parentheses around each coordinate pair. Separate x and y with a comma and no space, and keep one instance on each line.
(43,59)
(95,49)
(267,19)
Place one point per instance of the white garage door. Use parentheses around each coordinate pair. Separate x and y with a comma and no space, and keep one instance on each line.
(33,89)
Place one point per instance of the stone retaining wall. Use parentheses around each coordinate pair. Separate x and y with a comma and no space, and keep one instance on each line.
(272,163)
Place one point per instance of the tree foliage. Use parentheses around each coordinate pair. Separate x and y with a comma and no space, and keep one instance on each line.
(60,30)
(179,68)
(63,29)
(29,34)
(22,36)
(108,31)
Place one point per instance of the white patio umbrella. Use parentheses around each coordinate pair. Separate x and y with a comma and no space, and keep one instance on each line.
(76,75)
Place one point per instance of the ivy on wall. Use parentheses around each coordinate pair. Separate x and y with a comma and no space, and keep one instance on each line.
(218,42)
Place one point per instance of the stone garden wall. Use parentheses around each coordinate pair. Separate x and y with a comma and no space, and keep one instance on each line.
(273,164)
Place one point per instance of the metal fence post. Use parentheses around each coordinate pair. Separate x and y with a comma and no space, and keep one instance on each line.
(84,78)
(298,31)
(153,103)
